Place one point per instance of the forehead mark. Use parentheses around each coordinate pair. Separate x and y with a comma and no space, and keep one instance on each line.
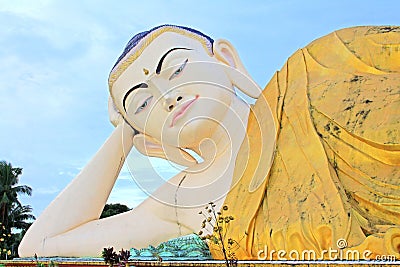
(158,70)
(137,51)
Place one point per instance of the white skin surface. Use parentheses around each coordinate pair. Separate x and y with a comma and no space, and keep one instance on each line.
(213,125)
(165,89)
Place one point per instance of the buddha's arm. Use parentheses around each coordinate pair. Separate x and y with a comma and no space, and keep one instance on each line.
(152,222)
(84,198)
(138,228)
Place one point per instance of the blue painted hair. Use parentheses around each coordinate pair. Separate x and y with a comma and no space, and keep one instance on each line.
(138,37)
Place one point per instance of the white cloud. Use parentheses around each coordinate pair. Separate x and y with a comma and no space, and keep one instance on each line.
(61,23)
(24,7)
(52,190)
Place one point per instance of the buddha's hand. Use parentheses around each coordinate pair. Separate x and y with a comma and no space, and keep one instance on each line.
(113,113)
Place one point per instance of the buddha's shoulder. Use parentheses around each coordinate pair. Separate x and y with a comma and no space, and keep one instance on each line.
(351,77)
(354,80)
(355,36)
(371,49)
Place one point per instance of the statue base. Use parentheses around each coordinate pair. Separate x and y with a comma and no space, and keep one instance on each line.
(97,262)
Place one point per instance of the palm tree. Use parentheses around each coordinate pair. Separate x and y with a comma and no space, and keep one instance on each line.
(9,191)
(13,215)
(20,218)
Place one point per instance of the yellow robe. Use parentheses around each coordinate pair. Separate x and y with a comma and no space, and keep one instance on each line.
(335,176)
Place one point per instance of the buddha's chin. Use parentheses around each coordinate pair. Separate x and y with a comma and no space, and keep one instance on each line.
(191,133)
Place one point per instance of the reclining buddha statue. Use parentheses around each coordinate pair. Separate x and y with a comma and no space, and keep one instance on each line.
(315,159)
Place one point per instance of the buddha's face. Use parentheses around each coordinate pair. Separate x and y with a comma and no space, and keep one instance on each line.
(174,91)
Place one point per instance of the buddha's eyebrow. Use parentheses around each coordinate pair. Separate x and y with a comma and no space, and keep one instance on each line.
(158,69)
(140,85)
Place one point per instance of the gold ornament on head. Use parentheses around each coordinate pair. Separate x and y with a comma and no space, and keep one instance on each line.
(146,71)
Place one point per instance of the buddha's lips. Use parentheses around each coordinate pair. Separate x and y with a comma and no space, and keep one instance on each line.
(182,111)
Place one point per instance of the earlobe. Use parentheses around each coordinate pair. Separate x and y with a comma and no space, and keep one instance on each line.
(149,146)
(227,54)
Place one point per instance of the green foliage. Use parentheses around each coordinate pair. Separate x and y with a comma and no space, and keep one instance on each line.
(113,209)
(111,257)
(20,217)
(13,215)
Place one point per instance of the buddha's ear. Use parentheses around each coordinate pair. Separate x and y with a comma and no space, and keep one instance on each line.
(227,54)
(151,147)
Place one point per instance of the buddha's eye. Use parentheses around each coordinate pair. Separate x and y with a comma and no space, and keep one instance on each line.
(144,105)
(179,70)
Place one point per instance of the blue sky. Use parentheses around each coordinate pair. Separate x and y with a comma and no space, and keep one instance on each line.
(55,58)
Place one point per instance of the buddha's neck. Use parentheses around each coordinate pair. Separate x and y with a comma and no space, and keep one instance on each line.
(229,134)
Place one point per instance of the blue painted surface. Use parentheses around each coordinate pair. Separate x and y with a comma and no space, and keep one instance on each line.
(189,247)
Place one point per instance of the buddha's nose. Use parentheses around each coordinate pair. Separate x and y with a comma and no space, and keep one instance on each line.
(171,101)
